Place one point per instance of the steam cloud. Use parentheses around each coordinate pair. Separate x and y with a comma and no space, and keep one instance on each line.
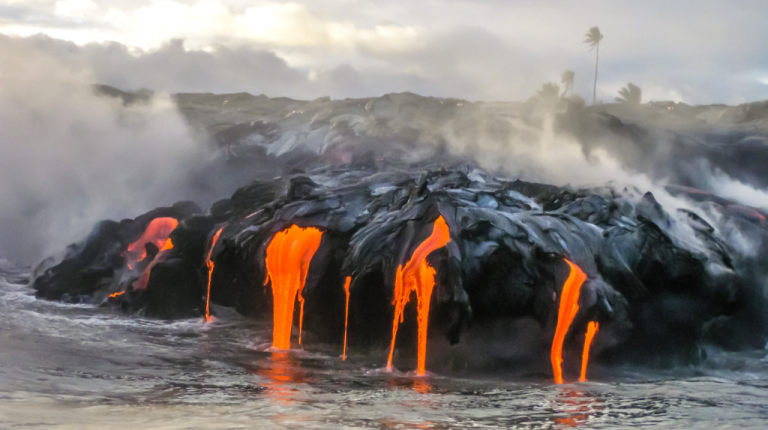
(69,158)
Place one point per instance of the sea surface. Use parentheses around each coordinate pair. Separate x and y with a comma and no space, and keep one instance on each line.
(87,367)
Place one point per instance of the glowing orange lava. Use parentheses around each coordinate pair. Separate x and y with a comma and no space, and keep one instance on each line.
(120,293)
(346,317)
(569,305)
(141,283)
(418,276)
(157,232)
(288,256)
(209,264)
(591,330)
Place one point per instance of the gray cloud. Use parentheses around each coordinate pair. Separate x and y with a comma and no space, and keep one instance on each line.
(697,51)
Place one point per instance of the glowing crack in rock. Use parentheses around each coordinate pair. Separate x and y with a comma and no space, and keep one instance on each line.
(418,276)
(569,305)
(288,256)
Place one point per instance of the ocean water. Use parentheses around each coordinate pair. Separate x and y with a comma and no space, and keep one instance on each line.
(85,367)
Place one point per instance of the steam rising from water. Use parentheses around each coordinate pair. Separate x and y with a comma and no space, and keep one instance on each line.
(69,158)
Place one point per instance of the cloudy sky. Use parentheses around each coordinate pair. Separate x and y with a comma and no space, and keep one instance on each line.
(697,51)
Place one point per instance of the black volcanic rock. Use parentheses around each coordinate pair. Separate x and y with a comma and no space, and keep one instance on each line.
(660,284)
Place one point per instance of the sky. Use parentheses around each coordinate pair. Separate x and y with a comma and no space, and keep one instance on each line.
(695,51)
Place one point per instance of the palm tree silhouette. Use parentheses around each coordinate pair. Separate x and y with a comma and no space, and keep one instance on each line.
(567,81)
(549,94)
(593,37)
(631,94)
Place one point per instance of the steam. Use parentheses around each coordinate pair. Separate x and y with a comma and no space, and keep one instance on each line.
(540,154)
(724,185)
(70,158)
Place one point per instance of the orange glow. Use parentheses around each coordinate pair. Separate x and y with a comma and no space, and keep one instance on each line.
(282,372)
(346,316)
(209,264)
(116,294)
(578,407)
(418,276)
(591,330)
(157,232)
(569,305)
(168,245)
(288,256)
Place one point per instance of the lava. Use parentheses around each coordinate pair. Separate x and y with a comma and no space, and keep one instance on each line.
(157,233)
(418,276)
(346,316)
(120,293)
(569,305)
(591,330)
(209,264)
(288,256)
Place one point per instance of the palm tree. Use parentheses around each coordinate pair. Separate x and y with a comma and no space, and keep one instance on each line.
(549,94)
(567,81)
(631,94)
(593,37)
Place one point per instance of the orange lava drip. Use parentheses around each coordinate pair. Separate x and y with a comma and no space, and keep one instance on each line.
(346,317)
(116,294)
(569,305)
(419,276)
(288,256)
(141,284)
(157,232)
(591,330)
(209,264)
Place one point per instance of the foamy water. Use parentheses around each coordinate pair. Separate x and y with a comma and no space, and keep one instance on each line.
(82,367)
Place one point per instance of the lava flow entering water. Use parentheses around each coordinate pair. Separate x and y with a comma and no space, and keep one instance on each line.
(288,256)
(418,276)
(569,305)
(591,330)
(346,316)
(209,264)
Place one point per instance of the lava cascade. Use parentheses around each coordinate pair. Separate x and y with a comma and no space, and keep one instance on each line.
(346,316)
(288,256)
(569,305)
(157,233)
(591,331)
(209,264)
(141,283)
(418,276)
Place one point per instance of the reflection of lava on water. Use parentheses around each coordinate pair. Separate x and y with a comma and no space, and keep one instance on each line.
(578,406)
(282,371)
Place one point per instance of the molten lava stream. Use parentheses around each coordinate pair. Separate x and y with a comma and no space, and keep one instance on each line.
(419,276)
(141,283)
(569,305)
(157,233)
(288,256)
(209,264)
(346,316)
(592,328)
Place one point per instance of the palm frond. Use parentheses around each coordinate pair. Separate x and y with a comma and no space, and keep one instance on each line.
(593,37)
